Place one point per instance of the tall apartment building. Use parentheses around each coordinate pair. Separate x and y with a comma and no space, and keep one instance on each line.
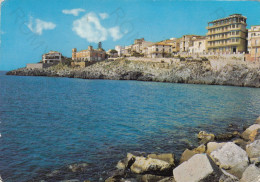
(227,34)
(254,42)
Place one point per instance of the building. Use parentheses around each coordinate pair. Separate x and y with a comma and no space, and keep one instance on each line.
(112,53)
(52,57)
(140,45)
(198,45)
(227,34)
(175,43)
(186,41)
(254,42)
(120,50)
(159,50)
(89,54)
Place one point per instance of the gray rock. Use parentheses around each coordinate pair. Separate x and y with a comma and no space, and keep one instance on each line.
(78,167)
(232,158)
(186,155)
(226,177)
(167,157)
(253,149)
(257,121)
(199,168)
(251,174)
(148,165)
(212,146)
(205,137)
(168,179)
(249,130)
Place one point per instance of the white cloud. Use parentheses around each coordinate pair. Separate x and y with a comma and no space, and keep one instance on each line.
(74,12)
(37,25)
(90,28)
(103,15)
(115,33)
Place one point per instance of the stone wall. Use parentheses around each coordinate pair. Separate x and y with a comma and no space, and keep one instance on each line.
(39,65)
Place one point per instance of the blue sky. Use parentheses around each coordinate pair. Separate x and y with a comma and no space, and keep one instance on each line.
(30,28)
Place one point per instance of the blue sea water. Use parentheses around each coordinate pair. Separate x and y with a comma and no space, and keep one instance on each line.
(47,123)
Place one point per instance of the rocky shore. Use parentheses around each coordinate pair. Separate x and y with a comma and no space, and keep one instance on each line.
(230,157)
(174,71)
(227,157)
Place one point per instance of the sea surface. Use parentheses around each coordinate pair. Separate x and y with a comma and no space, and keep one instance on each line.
(48,123)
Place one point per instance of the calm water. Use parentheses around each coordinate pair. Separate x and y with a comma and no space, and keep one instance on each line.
(47,123)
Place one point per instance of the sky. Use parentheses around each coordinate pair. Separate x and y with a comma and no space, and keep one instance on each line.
(30,28)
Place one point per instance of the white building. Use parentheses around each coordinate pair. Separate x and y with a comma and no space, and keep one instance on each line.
(186,42)
(254,38)
(198,45)
(159,50)
(51,57)
(120,50)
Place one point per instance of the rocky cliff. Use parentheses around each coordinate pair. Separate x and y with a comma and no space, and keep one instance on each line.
(194,72)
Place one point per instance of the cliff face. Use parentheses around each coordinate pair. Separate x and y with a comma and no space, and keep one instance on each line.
(197,72)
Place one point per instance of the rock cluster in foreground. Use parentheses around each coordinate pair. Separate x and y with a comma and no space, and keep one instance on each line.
(235,159)
(194,72)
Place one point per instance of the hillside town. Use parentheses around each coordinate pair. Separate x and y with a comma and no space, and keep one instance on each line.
(226,36)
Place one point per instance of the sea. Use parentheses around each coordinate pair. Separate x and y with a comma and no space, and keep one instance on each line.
(47,123)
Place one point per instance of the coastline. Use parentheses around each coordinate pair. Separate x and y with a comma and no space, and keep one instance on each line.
(190,72)
(232,156)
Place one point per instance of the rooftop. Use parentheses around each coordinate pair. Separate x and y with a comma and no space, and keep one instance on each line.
(230,16)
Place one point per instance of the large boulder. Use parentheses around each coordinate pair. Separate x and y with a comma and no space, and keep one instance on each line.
(251,174)
(126,163)
(205,137)
(199,168)
(168,157)
(143,165)
(249,130)
(211,146)
(231,158)
(253,149)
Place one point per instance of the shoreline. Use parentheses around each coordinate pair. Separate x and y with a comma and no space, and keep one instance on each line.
(189,72)
(232,156)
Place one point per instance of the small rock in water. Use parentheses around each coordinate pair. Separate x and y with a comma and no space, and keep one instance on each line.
(78,167)
(205,137)
(249,130)
(257,121)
